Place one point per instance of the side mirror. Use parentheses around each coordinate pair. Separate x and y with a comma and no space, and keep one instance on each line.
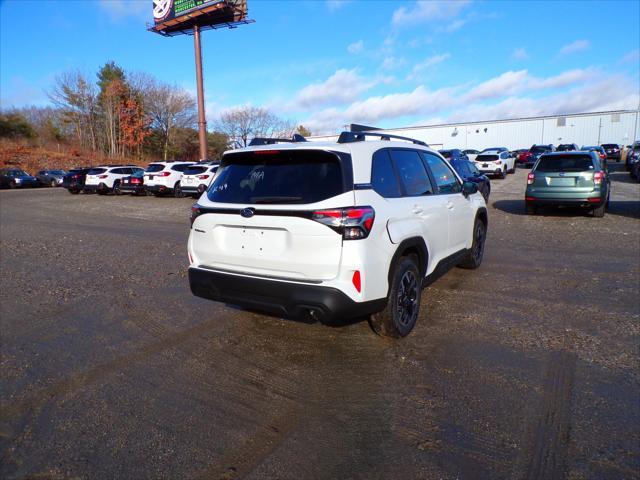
(469,188)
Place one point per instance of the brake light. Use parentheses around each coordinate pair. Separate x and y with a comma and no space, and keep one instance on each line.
(598,177)
(356,280)
(353,223)
(593,200)
(195,213)
(266,152)
(135,180)
(530,178)
(162,174)
(103,176)
(203,177)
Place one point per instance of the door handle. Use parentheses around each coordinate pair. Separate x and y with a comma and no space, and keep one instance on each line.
(417,209)
(450,205)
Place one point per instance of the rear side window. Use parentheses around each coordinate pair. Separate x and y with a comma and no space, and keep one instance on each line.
(155,167)
(278,177)
(383,178)
(443,175)
(540,149)
(96,171)
(565,163)
(412,173)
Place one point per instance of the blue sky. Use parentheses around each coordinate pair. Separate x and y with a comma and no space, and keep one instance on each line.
(328,63)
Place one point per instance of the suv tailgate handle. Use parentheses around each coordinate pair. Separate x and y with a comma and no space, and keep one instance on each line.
(450,205)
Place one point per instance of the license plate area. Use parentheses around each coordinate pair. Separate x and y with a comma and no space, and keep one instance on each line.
(253,241)
(561,181)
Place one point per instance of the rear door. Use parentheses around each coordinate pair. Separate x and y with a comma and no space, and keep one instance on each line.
(259,214)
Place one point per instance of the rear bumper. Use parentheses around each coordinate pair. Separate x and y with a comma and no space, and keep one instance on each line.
(193,189)
(587,202)
(287,299)
(132,188)
(95,188)
(158,189)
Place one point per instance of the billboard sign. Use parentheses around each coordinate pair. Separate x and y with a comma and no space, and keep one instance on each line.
(181,15)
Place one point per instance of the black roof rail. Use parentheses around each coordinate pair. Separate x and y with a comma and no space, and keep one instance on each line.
(272,141)
(350,137)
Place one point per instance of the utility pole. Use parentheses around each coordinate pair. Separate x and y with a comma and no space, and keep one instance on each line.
(202,122)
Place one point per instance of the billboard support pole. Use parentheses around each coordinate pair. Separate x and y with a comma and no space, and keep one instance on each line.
(202,121)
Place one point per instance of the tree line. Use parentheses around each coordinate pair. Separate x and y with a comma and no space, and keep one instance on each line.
(132,114)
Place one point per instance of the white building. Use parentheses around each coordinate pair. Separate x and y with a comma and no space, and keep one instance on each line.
(622,127)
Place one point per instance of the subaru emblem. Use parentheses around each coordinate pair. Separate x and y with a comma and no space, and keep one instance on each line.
(247,212)
(562,174)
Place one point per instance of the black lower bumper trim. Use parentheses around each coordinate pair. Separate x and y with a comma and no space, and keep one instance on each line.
(562,202)
(287,299)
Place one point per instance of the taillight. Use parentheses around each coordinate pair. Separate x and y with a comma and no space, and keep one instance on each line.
(195,213)
(530,178)
(357,280)
(497,162)
(135,180)
(203,177)
(162,174)
(353,223)
(103,176)
(603,156)
(598,177)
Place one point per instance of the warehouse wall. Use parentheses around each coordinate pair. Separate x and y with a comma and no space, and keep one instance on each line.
(583,129)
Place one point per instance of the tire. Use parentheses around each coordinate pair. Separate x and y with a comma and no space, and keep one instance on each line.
(52,184)
(177,191)
(473,259)
(116,188)
(403,304)
(598,212)
(74,192)
(531,209)
(503,174)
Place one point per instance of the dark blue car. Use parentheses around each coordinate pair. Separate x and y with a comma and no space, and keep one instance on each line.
(469,173)
(16,178)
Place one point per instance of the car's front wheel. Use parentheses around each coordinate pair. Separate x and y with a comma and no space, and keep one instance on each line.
(403,304)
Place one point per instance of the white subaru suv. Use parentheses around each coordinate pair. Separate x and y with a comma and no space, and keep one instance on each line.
(163,178)
(498,162)
(197,178)
(334,230)
(107,178)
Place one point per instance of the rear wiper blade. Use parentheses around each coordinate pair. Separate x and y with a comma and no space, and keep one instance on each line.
(275,199)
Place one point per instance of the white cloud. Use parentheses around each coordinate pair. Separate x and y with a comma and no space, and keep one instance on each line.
(356,47)
(519,54)
(452,27)
(427,10)
(391,63)
(118,9)
(631,57)
(574,47)
(426,64)
(341,87)
(334,5)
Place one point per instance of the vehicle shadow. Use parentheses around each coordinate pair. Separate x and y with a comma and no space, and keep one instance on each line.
(621,176)
(306,319)
(622,208)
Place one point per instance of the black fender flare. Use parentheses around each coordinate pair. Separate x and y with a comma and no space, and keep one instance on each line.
(412,243)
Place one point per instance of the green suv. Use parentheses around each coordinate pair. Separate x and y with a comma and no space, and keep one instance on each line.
(572,179)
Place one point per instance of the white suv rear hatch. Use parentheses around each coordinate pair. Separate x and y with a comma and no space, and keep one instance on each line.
(257,216)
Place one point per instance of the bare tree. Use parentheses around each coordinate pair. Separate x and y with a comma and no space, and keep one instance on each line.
(169,108)
(76,97)
(244,123)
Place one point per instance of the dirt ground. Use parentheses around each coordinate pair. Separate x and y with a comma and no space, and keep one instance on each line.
(527,368)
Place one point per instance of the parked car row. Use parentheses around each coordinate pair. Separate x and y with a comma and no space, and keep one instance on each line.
(14,177)
(159,178)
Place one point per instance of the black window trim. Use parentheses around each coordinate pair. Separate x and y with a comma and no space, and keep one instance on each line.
(403,190)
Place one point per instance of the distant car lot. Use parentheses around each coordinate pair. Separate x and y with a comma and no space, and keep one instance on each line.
(111,368)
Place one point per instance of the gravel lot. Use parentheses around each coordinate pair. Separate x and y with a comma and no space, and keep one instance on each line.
(527,368)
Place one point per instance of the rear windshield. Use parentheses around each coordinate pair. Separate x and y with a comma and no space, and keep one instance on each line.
(486,158)
(277,177)
(539,149)
(565,163)
(566,148)
(445,153)
(155,167)
(96,171)
(609,145)
(195,170)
